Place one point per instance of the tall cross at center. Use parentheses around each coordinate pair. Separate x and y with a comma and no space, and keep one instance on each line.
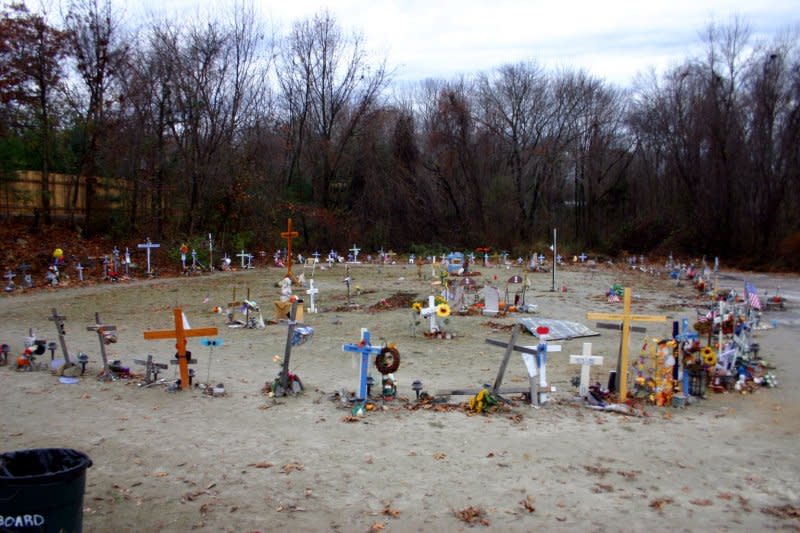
(289,234)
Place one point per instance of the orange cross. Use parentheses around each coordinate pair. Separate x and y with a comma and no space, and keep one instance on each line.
(180,334)
(289,235)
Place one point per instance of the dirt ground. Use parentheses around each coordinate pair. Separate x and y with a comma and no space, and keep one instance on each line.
(166,461)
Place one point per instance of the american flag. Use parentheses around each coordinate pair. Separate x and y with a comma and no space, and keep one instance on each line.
(752,295)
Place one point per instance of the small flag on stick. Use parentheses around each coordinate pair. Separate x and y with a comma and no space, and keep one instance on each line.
(752,295)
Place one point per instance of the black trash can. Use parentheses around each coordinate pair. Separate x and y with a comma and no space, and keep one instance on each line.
(42,490)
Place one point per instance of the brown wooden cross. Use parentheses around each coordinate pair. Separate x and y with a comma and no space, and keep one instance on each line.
(180,334)
(626,317)
(289,235)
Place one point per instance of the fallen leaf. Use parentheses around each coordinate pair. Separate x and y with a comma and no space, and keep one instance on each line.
(783,511)
(234,508)
(160,474)
(261,464)
(630,475)
(599,470)
(472,515)
(377,526)
(658,503)
(527,503)
(289,467)
(439,456)
(350,419)
(600,488)
(703,502)
(388,511)
(725,496)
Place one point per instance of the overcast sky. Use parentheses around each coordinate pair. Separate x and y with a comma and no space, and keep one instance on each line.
(612,40)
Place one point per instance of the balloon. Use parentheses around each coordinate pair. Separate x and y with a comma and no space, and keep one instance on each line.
(58,253)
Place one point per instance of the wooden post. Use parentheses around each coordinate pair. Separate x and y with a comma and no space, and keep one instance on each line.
(626,317)
(180,334)
(59,321)
(287,352)
(101,328)
(289,235)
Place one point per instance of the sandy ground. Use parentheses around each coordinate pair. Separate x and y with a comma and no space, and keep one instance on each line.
(245,462)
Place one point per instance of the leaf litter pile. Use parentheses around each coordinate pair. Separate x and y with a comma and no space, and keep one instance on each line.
(398,300)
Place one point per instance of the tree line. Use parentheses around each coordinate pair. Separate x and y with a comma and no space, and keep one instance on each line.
(218,126)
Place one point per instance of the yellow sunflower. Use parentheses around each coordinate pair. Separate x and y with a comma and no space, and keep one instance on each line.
(417,307)
(709,356)
(443,310)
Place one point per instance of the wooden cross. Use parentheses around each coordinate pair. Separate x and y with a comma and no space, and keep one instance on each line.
(586,360)
(151,368)
(289,235)
(59,321)
(312,291)
(626,317)
(180,334)
(101,330)
(148,245)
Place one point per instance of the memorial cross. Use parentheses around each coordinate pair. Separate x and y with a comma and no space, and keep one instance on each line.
(586,360)
(59,322)
(312,292)
(102,330)
(289,234)
(355,249)
(180,333)
(626,317)
(148,246)
(366,350)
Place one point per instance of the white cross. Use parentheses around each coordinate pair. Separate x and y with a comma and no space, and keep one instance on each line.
(586,360)
(582,257)
(127,260)
(355,249)
(541,258)
(538,364)
(210,253)
(79,268)
(243,255)
(148,245)
(312,291)
(430,313)
(316,257)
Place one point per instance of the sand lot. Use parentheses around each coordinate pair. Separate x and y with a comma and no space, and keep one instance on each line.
(244,462)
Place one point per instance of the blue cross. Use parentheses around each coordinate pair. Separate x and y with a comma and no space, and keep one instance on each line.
(686,334)
(366,349)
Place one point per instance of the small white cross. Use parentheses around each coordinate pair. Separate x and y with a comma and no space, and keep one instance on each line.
(148,245)
(243,255)
(430,313)
(586,360)
(312,291)
(355,249)
(582,257)
(79,268)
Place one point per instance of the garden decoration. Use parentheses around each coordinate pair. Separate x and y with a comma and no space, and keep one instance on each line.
(9,276)
(180,333)
(435,309)
(626,317)
(183,251)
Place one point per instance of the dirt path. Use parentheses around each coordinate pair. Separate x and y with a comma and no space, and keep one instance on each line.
(244,462)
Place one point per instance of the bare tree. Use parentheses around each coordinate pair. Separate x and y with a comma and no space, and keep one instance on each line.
(328,90)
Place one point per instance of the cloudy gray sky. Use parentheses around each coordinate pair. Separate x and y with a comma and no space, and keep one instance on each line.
(612,40)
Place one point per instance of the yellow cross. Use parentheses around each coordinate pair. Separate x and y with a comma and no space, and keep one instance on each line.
(180,334)
(626,317)
(289,235)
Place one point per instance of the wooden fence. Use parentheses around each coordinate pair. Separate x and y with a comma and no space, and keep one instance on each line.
(21,195)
